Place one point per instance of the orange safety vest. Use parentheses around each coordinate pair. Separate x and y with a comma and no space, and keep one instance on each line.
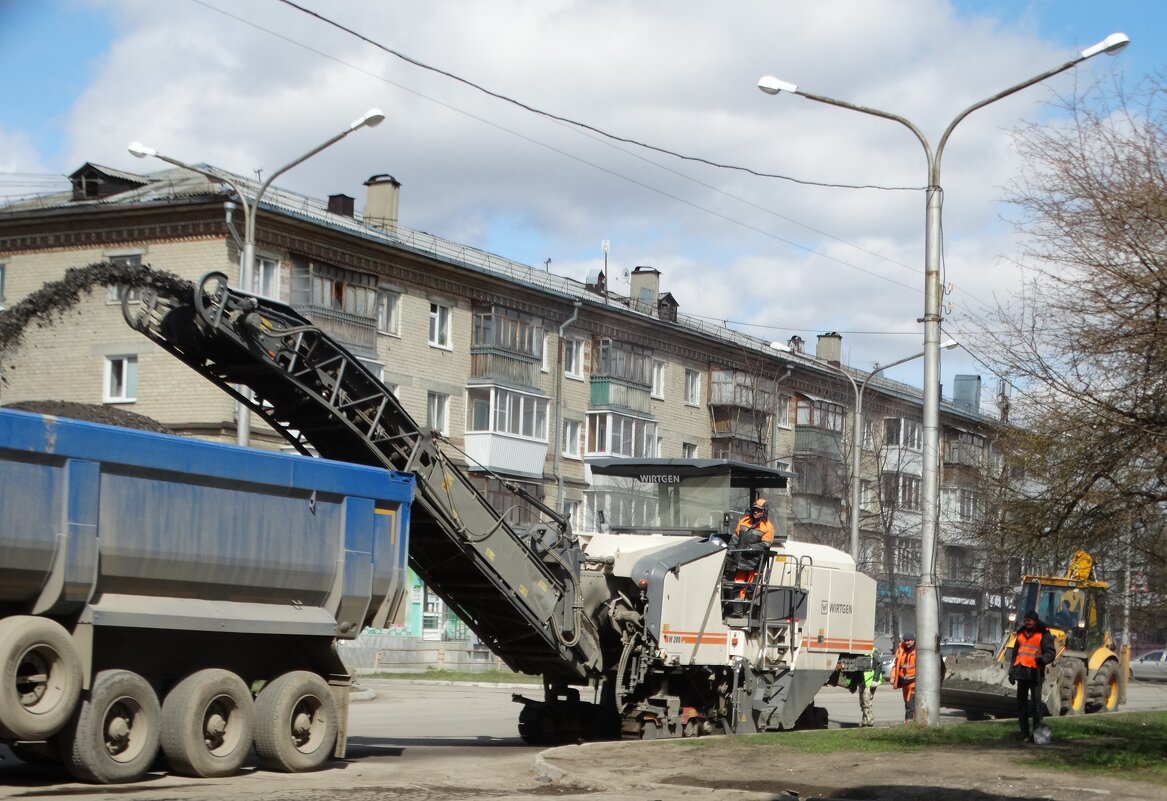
(905,667)
(764,527)
(1028,649)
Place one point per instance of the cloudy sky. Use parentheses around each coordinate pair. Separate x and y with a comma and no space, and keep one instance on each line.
(253,84)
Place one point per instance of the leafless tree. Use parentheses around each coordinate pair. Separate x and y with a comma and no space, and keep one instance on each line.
(1085,342)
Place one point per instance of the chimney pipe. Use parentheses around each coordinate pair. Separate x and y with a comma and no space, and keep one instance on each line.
(381,202)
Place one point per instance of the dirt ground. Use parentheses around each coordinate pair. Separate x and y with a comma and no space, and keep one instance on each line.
(984,774)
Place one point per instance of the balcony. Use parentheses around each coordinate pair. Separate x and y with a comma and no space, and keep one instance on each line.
(741,449)
(497,364)
(742,390)
(618,393)
(821,442)
(506,454)
(351,330)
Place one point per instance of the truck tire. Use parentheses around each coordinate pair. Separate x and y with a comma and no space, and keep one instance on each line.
(207,724)
(114,735)
(1073,687)
(295,723)
(1104,688)
(40,677)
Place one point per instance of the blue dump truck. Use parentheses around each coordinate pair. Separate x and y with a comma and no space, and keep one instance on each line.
(160,594)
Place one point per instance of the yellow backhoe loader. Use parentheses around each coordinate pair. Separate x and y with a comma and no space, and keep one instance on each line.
(1087,675)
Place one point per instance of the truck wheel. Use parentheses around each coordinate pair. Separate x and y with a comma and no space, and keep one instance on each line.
(114,735)
(207,724)
(1073,687)
(1104,688)
(295,723)
(40,677)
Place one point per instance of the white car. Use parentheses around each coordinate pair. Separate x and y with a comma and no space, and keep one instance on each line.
(1151,666)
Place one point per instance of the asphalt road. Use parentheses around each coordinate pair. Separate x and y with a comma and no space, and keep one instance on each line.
(425,742)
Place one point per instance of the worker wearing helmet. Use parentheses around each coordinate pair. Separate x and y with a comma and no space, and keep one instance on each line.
(757,519)
(752,538)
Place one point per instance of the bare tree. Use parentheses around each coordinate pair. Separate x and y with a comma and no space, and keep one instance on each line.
(1086,341)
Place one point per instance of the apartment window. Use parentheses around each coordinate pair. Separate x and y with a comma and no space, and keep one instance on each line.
(782,411)
(688,450)
(121,379)
(265,280)
(439,325)
(545,367)
(573,511)
(503,411)
(508,330)
(907,557)
(969,505)
(692,387)
(658,379)
(573,358)
(819,414)
(437,412)
(388,312)
(902,433)
(113,294)
(612,434)
(571,438)
(901,491)
(866,494)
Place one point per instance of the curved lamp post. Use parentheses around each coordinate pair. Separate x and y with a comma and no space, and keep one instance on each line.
(927,611)
(371,119)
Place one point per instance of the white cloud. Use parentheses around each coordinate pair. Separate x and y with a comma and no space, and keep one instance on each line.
(236,91)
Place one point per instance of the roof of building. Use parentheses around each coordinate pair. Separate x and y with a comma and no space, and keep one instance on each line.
(179,182)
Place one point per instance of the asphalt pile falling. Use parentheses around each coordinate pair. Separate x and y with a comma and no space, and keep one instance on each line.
(49,304)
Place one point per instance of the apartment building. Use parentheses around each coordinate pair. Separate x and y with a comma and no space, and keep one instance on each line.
(526,373)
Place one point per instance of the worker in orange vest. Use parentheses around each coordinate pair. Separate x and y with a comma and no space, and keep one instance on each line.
(1032,650)
(903,674)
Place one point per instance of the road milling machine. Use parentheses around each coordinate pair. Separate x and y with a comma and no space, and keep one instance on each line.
(647,616)
(1087,675)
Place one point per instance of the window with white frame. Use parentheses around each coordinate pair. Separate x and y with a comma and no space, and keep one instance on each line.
(571,430)
(573,358)
(439,325)
(113,294)
(437,412)
(613,434)
(866,494)
(658,379)
(265,278)
(969,504)
(688,450)
(573,511)
(504,411)
(782,411)
(388,312)
(121,379)
(907,557)
(692,387)
(903,433)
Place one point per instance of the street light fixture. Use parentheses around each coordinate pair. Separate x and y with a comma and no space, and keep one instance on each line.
(370,119)
(927,611)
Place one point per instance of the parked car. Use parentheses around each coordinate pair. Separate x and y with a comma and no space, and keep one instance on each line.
(956,648)
(1151,666)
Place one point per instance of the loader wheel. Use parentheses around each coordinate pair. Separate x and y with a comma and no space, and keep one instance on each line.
(40,677)
(1073,687)
(1104,688)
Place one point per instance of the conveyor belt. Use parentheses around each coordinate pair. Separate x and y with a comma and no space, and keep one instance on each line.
(516,592)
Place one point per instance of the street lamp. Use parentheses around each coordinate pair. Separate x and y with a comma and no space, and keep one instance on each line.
(927,612)
(857,433)
(371,119)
